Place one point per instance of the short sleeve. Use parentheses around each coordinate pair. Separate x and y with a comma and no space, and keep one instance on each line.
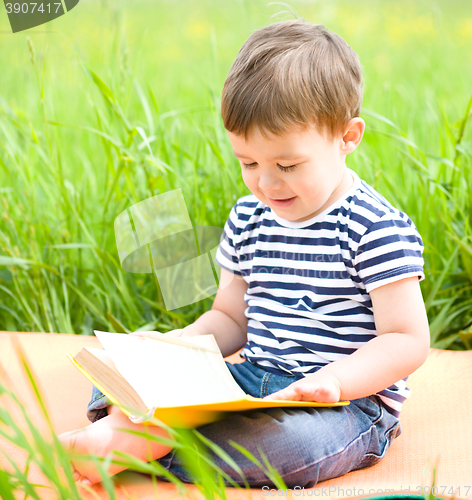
(390,250)
(227,254)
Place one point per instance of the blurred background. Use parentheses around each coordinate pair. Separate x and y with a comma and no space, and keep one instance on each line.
(119,101)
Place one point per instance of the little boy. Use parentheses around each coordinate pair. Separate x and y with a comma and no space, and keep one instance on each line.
(319,281)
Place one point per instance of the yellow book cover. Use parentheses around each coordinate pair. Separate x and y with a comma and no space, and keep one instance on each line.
(181,382)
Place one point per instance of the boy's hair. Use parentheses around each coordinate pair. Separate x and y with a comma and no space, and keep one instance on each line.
(292,73)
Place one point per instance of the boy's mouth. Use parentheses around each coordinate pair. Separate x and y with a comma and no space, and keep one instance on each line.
(283,202)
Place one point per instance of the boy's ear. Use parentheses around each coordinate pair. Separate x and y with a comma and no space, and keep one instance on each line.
(353,135)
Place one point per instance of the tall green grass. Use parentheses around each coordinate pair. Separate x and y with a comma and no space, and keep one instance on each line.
(119,101)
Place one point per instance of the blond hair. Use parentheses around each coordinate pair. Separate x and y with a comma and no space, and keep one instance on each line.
(292,73)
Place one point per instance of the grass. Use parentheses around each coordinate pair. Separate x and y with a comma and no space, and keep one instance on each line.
(92,132)
(119,101)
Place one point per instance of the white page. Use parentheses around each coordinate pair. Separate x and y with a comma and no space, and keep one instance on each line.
(165,374)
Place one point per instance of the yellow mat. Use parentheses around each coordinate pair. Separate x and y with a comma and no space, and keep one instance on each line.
(436,424)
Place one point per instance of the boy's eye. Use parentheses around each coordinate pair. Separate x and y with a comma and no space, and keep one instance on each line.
(284,169)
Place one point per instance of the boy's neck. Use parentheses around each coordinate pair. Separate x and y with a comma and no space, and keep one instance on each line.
(343,187)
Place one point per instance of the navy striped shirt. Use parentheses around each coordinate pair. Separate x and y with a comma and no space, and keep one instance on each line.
(308,301)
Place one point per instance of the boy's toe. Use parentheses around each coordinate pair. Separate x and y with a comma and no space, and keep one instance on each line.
(85,482)
(80,479)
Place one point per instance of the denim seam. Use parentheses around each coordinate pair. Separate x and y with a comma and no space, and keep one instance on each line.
(99,397)
(381,413)
(95,404)
(169,460)
(265,384)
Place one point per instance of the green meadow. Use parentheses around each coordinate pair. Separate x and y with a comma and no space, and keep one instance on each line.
(119,101)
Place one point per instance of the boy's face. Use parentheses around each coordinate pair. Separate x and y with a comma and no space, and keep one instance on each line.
(298,174)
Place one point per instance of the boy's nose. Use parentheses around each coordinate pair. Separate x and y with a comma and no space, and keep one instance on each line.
(269,183)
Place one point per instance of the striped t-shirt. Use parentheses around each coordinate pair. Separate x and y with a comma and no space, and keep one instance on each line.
(308,297)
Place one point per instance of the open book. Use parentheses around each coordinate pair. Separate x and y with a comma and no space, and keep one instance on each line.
(183,382)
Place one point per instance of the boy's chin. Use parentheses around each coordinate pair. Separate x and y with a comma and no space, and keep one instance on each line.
(298,217)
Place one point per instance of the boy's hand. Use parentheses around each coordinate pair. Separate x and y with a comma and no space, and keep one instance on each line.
(319,387)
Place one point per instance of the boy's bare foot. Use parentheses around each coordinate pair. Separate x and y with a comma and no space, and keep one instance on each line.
(105,436)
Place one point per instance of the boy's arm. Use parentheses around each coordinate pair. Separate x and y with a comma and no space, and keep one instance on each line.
(226,320)
(401,346)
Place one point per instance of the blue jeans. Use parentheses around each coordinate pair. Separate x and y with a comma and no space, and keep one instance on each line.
(305,445)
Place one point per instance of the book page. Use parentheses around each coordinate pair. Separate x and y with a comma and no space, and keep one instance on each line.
(166,374)
(204,341)
(100,367)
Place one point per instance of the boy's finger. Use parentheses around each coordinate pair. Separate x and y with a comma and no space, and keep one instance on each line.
(272,397)
(283,395)
(175,333)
